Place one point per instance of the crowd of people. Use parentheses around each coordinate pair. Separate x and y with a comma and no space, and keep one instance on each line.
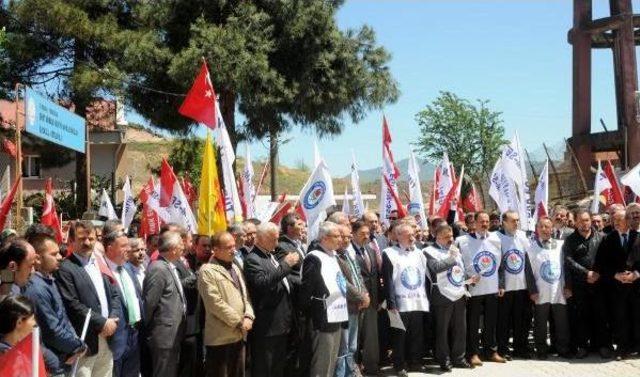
(262,299)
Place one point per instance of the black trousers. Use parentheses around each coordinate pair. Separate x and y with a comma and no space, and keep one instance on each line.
(225,360)
(368,347)
(514,317)
(408,345)
(588,320)
(560,317)
(191,357)
(268,355)
(165,361)
(450,331)
(486,306)
(622,312)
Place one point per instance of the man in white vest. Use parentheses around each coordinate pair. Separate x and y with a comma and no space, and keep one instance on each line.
(404,272)
(514,308)
(448,299)
(481,254)
(547,290)
(324,300)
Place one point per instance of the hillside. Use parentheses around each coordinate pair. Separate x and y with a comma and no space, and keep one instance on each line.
(426,171)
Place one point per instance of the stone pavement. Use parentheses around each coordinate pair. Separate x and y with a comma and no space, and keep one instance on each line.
(593,366)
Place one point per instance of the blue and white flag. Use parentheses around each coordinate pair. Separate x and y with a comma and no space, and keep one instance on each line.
(106,208)
(317,194)
(128,204)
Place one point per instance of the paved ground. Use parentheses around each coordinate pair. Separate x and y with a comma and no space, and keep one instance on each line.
(593,366)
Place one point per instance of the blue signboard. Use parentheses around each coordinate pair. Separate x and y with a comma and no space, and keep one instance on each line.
(54,123)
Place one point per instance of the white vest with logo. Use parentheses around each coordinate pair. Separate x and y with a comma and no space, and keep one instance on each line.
(514,250)
(481,257)
(450,283)
(409,274)
(334,280)
(547,266)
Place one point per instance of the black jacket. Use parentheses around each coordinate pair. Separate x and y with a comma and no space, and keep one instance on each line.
(612,258)
(79,294)
(580,255)
(370,277)
(270,299)
(313,293)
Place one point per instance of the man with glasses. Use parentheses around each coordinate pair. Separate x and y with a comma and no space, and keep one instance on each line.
(357,300)
(135,259)
(324,299)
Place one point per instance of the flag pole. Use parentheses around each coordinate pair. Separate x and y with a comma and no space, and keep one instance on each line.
(35,352)
(18,155)
(83,335)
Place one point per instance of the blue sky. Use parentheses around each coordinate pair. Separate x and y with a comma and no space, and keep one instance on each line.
(513,53)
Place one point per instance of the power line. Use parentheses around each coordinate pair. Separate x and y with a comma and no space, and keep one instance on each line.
(92,65)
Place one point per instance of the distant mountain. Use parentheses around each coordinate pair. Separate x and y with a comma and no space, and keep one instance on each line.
(372,175)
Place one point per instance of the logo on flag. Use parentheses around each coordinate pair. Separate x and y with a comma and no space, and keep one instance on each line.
(315,195)
(550,272)
(411,278)
(514,261)
(342,282)
(484,263)
(456,275)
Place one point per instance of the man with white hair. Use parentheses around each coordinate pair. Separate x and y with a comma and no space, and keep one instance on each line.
(270,292)
(165,307)
(404,272)
(324,298)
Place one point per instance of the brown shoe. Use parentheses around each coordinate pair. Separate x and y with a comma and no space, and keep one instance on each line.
(475,361)
(496,358)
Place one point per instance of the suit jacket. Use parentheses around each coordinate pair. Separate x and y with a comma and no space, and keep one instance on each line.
(270,298)
(355,295)
(226,303)
(120,339)
(79,295)
(564,233)
(612,258)
(370,276)
(189,286)
(164,319)
(313,292)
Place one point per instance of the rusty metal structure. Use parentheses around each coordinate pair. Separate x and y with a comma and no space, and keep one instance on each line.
(618,32)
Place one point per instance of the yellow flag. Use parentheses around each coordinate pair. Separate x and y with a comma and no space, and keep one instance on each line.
(211,215)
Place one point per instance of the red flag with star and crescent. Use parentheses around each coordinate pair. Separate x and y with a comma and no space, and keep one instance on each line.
(49,214)
(200,103)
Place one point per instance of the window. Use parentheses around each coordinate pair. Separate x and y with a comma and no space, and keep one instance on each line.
(31,166)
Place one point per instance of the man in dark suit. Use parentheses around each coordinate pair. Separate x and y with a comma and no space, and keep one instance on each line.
(191,356)
(83,287)
(368,326)
(125,341)
(164,307)
(611,264)
(270,292)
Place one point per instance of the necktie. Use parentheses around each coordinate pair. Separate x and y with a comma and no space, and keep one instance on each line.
(284,280)
(374,246)
(132,311)
(365,256)
(624,239)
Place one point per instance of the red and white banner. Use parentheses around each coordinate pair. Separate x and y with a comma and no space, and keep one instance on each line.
(541,197)
(389,199)
(614,194)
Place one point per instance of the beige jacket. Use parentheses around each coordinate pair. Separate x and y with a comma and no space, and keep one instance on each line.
(225,305)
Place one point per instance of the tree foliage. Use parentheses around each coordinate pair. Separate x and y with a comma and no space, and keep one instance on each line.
(471,134)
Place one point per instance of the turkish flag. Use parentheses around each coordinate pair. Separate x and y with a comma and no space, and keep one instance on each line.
(614,194)
(167,180)
(5,207)
(300,212)
(18,361)
(200,104)
(49,213)
(8,147)
(277,217)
